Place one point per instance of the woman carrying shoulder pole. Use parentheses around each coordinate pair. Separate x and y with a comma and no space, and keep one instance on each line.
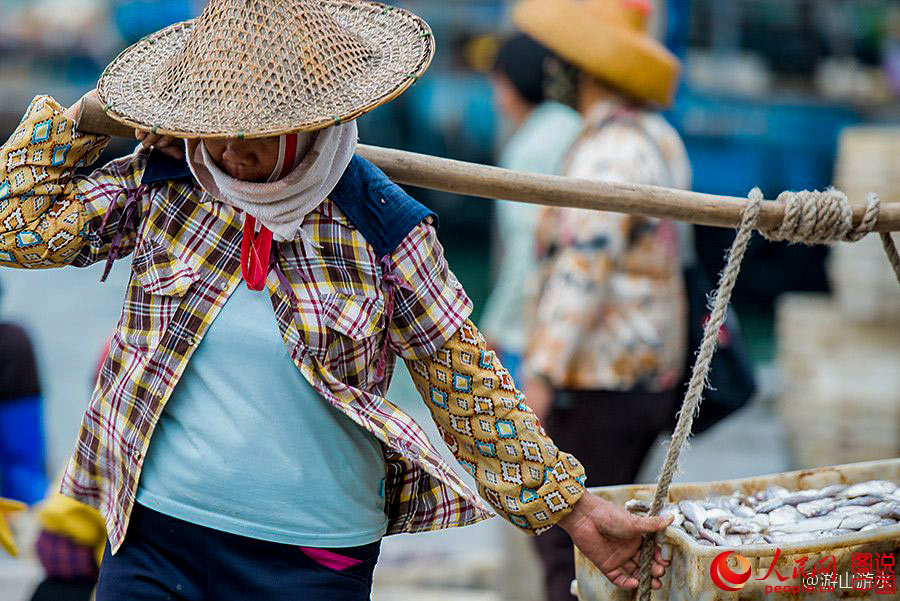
(238,442)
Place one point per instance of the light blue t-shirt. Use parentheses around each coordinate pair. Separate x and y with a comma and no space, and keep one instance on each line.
(245,445)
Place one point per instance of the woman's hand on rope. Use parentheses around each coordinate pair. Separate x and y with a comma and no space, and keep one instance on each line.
(170,145)
(610,537)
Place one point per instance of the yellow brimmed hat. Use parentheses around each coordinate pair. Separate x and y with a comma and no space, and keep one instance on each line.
(608,39)
(256,68)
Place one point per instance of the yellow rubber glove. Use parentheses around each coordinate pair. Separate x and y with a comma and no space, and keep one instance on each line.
(6,537)
(79,523)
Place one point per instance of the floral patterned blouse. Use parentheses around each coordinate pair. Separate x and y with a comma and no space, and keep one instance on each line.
(610,311)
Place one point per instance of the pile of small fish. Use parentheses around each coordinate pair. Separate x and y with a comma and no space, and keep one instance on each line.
(778,515)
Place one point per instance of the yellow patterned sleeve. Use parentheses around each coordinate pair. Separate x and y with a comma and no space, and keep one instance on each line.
(488,426)
(41,218)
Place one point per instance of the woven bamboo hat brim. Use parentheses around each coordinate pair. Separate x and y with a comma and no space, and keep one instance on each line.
(605,38)
(258,68)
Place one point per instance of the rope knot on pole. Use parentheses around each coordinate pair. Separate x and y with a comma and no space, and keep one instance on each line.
(821,217)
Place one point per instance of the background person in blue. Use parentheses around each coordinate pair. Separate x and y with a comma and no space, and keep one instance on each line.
(22,469)
(538,131)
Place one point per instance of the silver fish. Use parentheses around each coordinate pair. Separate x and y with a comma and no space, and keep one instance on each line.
(835,532)
(706,543)
(858,520)
(774,492)
(729,504)
(742,526)
(884,523)
(833,490)
(673,511)
(872,487)
(770,505)
(816,508)
(811,525)
(693,511)
(741,498)
(784,515)
(779,516)
(742,511)
(887,509)
(715,517)
(713,537)
(637,506)
(802,496)
(863,501)
(848,510)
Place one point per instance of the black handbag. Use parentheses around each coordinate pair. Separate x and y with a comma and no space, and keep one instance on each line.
(731,380)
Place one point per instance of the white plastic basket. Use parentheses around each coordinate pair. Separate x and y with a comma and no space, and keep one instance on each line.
(688,576)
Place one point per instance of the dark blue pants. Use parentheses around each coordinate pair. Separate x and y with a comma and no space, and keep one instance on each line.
(165,559)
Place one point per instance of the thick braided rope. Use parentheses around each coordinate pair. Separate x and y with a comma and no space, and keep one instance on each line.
(697,383)
(809,218)
(823,217)
(890,249)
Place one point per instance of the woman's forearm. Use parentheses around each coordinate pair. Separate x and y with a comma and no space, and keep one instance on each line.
(41,216)
(495,435)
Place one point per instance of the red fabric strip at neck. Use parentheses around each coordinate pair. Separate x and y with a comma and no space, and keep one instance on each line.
(256,249)
(290,155)
(255,252)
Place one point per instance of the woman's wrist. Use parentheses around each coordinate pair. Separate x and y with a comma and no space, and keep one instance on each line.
(582,508)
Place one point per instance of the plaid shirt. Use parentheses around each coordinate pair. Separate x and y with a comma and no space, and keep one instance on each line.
(336,303)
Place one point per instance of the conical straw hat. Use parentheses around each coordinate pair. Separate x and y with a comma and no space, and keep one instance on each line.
(608,39)
(257,68)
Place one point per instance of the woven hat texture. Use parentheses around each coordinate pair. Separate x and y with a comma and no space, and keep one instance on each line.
(608,39)
(255,68)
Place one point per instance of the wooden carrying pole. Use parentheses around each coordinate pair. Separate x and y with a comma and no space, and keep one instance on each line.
(483,181)
(666,203)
